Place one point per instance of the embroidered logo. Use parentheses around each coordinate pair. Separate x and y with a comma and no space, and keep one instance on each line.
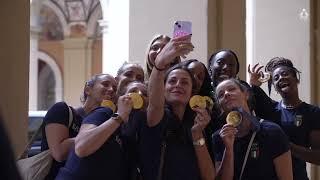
(298,120)
(75,127)
(254,151)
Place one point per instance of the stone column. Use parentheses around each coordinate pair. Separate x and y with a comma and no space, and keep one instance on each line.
(77,68)
(34,36)
(33,73)
(14,70)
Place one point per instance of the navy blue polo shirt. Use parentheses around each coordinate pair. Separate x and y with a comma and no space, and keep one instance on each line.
(131,133)
(108,162)
(59,113)
(269,143)
(297,123)
(180,161)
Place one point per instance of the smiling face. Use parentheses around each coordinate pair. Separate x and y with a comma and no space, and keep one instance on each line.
(198,71)
(231,96)
(223,66)
(178,87)
(133,72)
(285,81)
(129,73)
(104,88)
(155,49)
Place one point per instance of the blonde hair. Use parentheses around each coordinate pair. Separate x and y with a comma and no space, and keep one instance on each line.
(149,65)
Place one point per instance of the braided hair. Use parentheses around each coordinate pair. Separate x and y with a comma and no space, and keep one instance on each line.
(276,62)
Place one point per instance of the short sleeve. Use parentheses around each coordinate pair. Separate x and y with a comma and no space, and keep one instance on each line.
(276,140)
(98,116)
(58,113)
(218,146)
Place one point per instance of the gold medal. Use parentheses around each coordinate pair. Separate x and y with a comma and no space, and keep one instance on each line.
(109,104)
(234,118)
(197,101)
(264,77)
(209,102)
(136,100)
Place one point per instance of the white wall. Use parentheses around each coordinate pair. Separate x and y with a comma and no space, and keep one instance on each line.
(274,28)
(115,25)
(150,17)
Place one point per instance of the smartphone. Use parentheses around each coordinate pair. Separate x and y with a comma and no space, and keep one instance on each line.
(182,28)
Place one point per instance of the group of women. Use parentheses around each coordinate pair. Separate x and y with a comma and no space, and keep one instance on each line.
(168,139)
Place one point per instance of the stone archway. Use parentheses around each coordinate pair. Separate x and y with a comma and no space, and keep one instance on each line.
(56,74)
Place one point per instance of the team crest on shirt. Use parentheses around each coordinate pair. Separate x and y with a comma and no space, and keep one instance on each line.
(298,120)
(254,150)
(75,127)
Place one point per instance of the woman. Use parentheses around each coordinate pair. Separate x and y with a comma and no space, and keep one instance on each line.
(99,151)
(127,73)
(57,135)
(202,78)
(267,156)
(299,120)
(173,144)
(203,87)
(222,65)
(154,48)
(131,131)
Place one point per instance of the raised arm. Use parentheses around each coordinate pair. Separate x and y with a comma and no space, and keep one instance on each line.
(91,137)
(264,104)
(205,163)
(175,47)
(226,166)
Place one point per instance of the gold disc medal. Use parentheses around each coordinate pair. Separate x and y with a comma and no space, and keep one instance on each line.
(264,77)
(234,118)
(109,104)
(136,100)
(197,101)
(209,102)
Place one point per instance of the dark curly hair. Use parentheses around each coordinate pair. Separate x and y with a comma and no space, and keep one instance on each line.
(276,62)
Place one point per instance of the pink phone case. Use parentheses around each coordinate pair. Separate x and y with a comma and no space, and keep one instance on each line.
(182,28)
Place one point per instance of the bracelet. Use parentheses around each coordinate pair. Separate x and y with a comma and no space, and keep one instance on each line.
(159,68)
(199,142)
(117,118)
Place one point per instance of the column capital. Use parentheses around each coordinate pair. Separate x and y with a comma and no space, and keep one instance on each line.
(35,31)
(104,24)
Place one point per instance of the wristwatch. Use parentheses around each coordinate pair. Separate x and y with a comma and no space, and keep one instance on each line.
(199,142)
(117,118)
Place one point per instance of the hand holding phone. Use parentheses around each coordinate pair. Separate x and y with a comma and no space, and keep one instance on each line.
(182,28)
